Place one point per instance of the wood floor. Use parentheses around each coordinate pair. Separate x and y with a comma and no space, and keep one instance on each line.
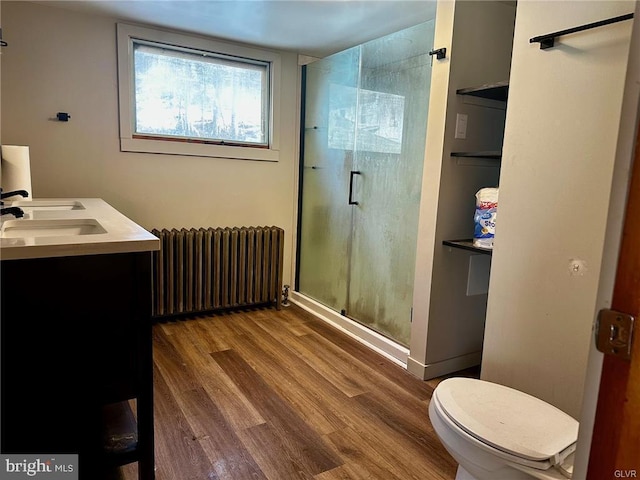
(280,395)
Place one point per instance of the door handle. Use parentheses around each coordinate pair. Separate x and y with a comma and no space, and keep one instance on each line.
(351,201)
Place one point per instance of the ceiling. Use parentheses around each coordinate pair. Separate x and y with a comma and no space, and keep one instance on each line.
(310,27)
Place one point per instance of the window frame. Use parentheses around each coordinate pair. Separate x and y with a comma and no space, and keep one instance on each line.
(127,33)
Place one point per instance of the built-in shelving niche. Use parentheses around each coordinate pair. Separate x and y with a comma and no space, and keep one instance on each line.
(498,91)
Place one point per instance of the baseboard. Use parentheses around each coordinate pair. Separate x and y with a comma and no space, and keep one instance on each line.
(438,369)
(384,346)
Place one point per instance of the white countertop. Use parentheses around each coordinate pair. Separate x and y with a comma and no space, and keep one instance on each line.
(118,234)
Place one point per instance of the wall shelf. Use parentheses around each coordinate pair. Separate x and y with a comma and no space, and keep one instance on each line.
(492,91)
(492,154)
(467,244)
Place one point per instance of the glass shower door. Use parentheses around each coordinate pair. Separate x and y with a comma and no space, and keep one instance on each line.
(329,143)
(395,76)
(362,179)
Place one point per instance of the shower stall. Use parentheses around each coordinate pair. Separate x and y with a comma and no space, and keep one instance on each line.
(363,142)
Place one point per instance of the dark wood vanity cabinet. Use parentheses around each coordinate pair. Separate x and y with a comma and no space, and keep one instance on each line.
(76,350)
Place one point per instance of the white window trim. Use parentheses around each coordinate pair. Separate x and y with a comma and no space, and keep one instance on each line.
(125,34)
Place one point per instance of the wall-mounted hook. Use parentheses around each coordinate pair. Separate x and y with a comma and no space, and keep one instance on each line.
(440,53)
(63,116)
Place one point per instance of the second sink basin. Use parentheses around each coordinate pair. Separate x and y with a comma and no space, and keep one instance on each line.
(28,205)
(26,228)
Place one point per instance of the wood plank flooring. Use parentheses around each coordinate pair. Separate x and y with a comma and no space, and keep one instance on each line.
(280,395)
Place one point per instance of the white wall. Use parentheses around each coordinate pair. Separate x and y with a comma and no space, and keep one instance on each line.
(64,61)
(557,168)
(440,73)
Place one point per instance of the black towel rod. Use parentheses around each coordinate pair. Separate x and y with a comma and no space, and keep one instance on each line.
(548,40)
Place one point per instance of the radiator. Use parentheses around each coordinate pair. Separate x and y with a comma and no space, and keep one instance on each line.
(200,270)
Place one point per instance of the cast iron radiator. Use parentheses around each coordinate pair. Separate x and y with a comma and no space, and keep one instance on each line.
(199,270)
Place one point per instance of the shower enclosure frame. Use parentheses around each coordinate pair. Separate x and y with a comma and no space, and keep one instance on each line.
(378,340)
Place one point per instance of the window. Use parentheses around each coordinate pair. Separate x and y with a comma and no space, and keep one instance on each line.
(180,94)
(187,95)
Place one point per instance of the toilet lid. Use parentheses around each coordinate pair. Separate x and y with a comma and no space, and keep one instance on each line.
(507,419)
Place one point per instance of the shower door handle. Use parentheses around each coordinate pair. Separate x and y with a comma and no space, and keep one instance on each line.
(351,201)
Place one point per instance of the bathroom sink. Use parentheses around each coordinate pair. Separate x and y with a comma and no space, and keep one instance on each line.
(26,228)
(48,205)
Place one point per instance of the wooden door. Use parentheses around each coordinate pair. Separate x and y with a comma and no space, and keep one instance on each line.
(615,446)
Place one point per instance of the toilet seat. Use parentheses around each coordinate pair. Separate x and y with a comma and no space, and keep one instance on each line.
(523,429)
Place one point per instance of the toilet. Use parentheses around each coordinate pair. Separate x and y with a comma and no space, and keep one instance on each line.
(495,432)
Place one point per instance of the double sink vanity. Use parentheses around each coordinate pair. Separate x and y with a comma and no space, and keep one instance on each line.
(76,353)
(70,227)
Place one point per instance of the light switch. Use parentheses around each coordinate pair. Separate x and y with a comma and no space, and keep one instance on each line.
(461,125)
